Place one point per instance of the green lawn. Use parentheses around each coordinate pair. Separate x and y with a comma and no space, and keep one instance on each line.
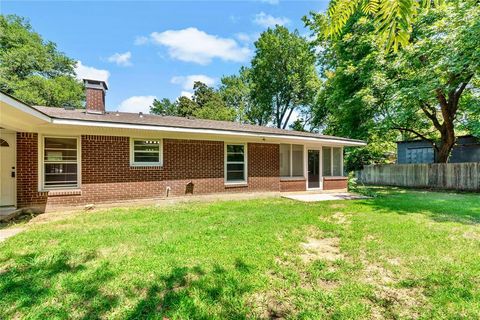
(403,254)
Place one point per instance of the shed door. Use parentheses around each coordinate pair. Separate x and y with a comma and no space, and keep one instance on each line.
(7,169)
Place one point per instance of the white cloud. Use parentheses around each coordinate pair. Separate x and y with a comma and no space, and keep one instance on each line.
(193,45)
(187,94)
(136,104)
(267,21)
(187,81)
(140,40)
(247,38)
(241,36)
(121,59)
(86,72)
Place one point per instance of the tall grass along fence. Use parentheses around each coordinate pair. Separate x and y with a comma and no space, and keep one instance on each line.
(456,176)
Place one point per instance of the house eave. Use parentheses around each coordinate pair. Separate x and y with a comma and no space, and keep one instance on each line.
(230,133)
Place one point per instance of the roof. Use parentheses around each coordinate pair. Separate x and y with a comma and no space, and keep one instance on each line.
(177,122)
(467,137)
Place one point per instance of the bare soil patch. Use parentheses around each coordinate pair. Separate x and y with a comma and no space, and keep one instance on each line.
(270,305)
(390,299)
(321,249)
(340,218)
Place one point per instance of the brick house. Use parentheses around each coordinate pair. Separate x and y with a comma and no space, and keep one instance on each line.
(53,157)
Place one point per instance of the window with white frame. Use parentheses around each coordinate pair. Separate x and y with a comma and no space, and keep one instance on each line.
(60,162)
(235,163)
(146,152)
(291,160)
(331,161)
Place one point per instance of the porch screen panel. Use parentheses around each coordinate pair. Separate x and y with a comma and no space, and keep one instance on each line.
(60,162)
(297,160)
(326,161)
(285,160)
(337,162)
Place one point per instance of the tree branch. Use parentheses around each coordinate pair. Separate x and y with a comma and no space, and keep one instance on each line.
(288,118)
(418,134)
(431,115)
(460,90)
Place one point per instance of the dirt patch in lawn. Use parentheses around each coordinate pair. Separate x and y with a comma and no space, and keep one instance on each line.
(340,218)
(471,235)
(389,298)
(270,305)
(321,249)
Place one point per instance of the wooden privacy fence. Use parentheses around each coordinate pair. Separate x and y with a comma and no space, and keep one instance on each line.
(456,176)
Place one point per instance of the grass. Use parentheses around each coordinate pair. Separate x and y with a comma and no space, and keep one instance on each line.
(402,254)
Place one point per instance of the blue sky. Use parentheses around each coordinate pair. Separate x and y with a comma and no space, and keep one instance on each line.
(158,48)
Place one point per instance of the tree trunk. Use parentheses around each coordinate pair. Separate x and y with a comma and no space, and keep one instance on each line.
(447,143)
(447,130)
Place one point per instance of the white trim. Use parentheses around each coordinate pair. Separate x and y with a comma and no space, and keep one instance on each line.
(341,161)
(245,163)
(41,163)
(24,108)
(204,131)
(145,164)
(331,161)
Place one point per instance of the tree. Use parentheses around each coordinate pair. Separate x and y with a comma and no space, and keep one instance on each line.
(283,76)
(33,70)
(393,19)
(420,91)
(164,107)
(206,103)
(434,75)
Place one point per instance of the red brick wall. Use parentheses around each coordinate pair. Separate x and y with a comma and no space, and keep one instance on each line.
(335,183)
(263,166)
(95,100)
(293,185)
(27,171)
(189,166)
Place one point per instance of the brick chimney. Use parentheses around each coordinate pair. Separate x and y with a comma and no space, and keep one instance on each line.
(95,91)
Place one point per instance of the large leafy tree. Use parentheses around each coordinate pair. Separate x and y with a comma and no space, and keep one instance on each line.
(206,103)
(283,75)
(33,70)
(236,92)
(424,90)
(392,19)
(434,74)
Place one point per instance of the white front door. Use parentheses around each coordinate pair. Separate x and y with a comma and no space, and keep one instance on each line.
(7,169)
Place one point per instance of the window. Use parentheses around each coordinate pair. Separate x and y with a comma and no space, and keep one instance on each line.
(60,162)
(235,165)
(146,152)
(3,143)
(332,161)
(291,160)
